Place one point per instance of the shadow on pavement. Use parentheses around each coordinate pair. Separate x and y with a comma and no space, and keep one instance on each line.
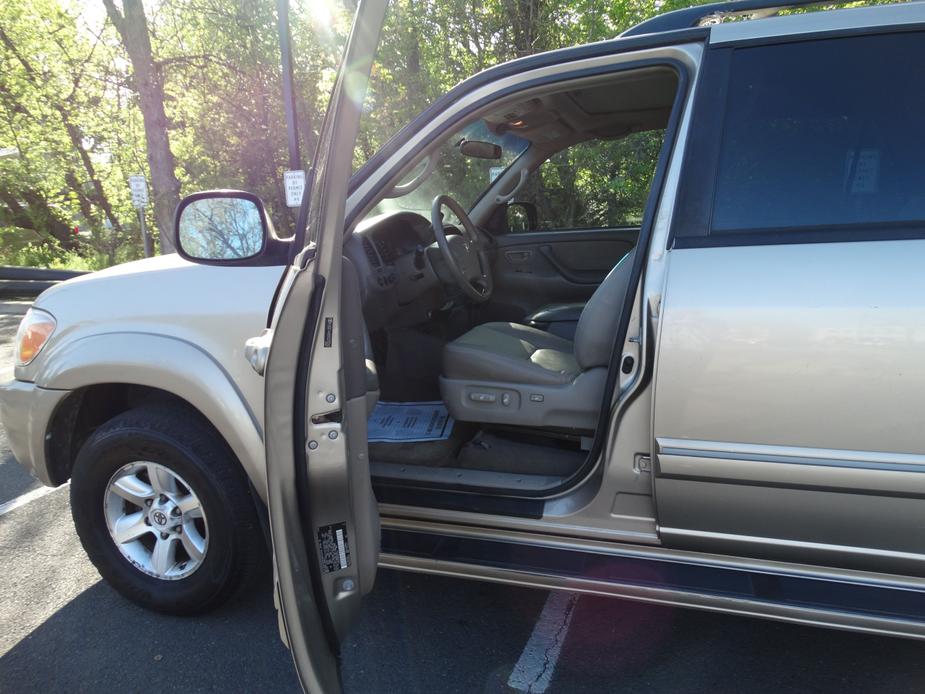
(423,633)
(614,645)
(14,480)
(433,634)
(100,642)
(449,635)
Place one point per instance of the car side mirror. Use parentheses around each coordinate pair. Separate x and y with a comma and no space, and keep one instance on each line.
(521,216)
(221,226)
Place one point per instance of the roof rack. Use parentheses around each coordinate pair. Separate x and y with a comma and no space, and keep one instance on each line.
(714,13)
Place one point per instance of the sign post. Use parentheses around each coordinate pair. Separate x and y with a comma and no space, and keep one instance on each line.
(139,187)
(285,54)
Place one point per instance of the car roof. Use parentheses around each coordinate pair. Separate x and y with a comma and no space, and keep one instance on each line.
(743,20)
(688,25)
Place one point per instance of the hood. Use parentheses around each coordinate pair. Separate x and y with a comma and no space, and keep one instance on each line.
(156,264)
(160,288)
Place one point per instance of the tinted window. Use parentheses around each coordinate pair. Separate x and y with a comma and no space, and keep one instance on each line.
(825,133)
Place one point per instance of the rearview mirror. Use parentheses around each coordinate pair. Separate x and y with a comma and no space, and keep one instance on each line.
(221,226)
(480,150)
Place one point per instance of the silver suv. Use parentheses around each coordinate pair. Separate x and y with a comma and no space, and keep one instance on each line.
(512,348)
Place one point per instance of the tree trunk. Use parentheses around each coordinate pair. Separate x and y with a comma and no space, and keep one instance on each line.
(133,29)
(38,216)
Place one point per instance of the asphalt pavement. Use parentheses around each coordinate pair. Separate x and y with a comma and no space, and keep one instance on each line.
(63,630)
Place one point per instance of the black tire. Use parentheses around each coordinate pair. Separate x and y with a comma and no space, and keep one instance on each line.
(180,440)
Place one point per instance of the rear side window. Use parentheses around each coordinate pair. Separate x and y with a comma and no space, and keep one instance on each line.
(823,134)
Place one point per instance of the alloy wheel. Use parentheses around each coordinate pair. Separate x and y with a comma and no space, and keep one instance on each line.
(156,520)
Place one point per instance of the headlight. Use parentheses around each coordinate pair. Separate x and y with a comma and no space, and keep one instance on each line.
(34,331)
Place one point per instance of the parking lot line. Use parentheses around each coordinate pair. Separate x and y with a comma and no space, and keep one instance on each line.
(24,499)
(533,671)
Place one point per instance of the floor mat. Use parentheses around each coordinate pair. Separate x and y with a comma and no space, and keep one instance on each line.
(499,454)
(405,422)
(430,453)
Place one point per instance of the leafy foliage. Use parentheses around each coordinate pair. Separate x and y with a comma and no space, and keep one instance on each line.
(597,183)
(69,106)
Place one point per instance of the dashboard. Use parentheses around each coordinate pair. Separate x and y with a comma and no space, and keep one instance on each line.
(393,255)
(389,238)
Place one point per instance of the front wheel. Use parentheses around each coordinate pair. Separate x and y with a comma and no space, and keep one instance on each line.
(164,512)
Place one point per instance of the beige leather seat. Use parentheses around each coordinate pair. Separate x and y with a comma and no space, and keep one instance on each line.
(507,373)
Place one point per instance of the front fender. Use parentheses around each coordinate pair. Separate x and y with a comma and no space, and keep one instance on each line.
(169,364)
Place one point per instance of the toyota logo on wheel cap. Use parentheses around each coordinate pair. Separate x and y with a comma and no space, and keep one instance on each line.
(159,518)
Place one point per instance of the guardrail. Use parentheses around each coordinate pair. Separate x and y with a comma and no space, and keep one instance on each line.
(31,281)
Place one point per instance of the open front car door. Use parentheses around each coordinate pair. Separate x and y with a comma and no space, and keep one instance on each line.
(323,515)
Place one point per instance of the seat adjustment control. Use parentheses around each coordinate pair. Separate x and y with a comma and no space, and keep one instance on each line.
(483,397)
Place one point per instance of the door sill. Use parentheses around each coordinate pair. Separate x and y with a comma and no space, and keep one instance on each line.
(461,479)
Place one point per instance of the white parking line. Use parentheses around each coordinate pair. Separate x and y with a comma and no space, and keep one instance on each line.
(24,499)
(533,671)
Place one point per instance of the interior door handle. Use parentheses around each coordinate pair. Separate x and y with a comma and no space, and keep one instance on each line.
(570,275)
(518,257)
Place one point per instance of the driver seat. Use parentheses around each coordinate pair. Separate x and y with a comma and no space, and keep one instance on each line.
(508,373)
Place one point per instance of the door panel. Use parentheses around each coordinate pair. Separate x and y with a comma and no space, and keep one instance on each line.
(788,402)
(307,628)
(538,268)
(323,515)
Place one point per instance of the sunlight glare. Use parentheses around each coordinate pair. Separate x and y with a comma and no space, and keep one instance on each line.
(322,13)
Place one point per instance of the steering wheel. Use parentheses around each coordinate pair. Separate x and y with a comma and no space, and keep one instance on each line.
(464,255)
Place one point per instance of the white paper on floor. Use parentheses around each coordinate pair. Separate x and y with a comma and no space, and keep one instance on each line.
(409,421)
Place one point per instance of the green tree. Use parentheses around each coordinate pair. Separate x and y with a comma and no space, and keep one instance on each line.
(51,104)
(188,92)
(132,26)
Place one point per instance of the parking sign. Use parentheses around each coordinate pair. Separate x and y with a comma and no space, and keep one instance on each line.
(139,187)
(294,184)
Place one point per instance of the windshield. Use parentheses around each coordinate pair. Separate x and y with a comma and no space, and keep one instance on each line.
(453,173)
